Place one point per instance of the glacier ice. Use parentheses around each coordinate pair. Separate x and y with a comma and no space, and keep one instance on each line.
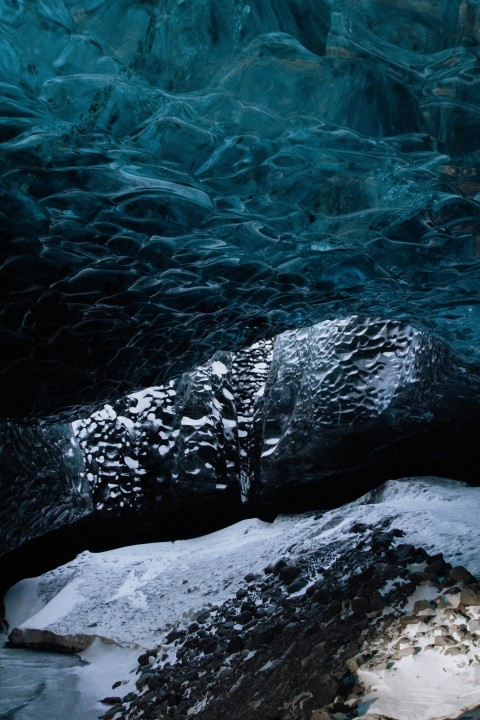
(43,482)
(293,415)
(183,178)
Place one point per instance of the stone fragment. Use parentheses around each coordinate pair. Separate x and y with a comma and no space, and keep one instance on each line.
(288,573)
(244,618)
(444,640)
(437,565)
(324,688)
(297,584)
(453,650)
(473,625)
(420,605)
(355,662)
(235,644)
(469,596)
(409,620)
(404,652)
(461,575)
(321,715)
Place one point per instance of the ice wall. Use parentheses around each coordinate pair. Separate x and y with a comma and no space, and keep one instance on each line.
(182,177)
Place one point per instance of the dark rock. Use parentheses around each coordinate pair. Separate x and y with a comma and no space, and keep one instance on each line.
(422,576)
(297,584)
(288,573)
(359,527)
(249,606)
(438,565)
(278,566)
(461,575)
(111,700)
(207,645)
(403,552)
(360,605)
(244,618)
(324,688)
(203,617)
(260,636)
(376,602)
(235,644)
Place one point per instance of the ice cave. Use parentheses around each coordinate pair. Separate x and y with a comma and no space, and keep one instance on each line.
(240,342)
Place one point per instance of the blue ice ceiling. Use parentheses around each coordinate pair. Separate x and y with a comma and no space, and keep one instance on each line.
(181,177)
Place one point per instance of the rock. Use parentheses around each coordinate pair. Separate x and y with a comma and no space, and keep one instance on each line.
(324,688)
(444,640)
(377,602)
(352,700)
(249,606)
(468,596)
(278,566)
(437,565)
(454,650)
(419,576)
(235,644)
(242,593)
(249,578)
(112,712)
(297,584)
(50,641)
(421,605)
(111,700)
(203,617)
(355,662)
(319,595)
(358,528)
(404,652)
(288,573)
(409,620)
(360,605)
(244,618)
(207,644)
(144,659)
(461,575)
(403,552)
(321,715)
(260,636)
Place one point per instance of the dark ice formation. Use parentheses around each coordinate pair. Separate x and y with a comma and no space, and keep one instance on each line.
(309,418)
(241,241)
(277,417)
(43,483)
(186,178)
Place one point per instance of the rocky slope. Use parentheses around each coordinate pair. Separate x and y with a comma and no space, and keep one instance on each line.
(354,612)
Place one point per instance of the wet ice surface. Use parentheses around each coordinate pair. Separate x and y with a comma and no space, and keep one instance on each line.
(53,686)
(40,686)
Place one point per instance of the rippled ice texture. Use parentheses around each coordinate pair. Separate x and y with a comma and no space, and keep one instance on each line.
(180,177)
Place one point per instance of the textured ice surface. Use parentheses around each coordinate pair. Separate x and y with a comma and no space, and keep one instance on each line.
(43,484)
(234,424)
(180,178)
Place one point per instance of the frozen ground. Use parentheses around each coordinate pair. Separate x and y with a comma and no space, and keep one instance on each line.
(134,595)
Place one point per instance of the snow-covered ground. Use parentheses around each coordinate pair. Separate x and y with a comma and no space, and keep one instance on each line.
(134,595)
